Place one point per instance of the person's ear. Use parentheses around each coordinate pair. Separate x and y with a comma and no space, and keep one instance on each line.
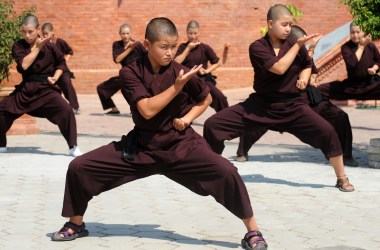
(270,24)
(146,44)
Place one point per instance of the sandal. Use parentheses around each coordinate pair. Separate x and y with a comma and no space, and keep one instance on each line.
(79,231)
(254,240)
(344,185)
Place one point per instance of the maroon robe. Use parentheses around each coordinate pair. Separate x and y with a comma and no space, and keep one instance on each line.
(203,54)
(359,84)
(35,96)
(64,81)
(182,156)
(277,104)
(108,88)
(63,46)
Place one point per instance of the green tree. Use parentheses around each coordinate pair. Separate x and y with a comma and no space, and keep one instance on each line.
(9,32)
(366,14)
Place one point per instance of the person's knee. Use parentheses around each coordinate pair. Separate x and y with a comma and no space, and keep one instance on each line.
(67,110)
(229,173)
(326,132)
(75,166)
(208,127)
(99,88)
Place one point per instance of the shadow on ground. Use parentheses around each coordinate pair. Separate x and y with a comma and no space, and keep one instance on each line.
(258,178)
(149,231)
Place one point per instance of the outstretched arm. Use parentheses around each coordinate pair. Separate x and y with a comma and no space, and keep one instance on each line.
(210,69)
(29,59)
(149,107)
(131,45)
(281,66)
(313,44)
(198,109)
(181,57)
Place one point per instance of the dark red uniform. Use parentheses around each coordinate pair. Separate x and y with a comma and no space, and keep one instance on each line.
(333,114)
(35,96)
(183,157)
(64,81)
(203,54)
(359,84)
(277,104)
(108,88)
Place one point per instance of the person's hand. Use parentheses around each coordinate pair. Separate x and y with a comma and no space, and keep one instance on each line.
(40,42)
(313,80)
(371,71)
(183,78)
(301,84)
(193,45)
(302,40)
(314,41)
(52,80)
(202,71)
(132,44)
(180,124)
(365,40)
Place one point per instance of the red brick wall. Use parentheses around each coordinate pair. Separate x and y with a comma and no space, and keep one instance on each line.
(90,27)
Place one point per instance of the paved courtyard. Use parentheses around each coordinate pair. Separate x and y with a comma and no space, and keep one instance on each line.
(291,186)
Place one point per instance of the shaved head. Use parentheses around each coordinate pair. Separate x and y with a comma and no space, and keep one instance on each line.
(47,26)
(160,27)
(124,26)
(277,11)
(193,25)
(353,24)
(297,32)
(30,19)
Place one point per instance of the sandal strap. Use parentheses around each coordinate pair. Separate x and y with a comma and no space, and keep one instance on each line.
(254,238)
(343,183)
(251,234)
(69,225)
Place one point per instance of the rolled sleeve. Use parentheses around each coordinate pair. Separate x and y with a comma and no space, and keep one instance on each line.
(211,55)
(261,55)
(18,53)
(306,62)
(197,89)
(117,49)
(132,86)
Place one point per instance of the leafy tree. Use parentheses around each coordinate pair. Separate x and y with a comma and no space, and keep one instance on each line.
(9,32)
(366,14)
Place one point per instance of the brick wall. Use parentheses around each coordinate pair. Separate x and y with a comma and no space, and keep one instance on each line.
(90,27)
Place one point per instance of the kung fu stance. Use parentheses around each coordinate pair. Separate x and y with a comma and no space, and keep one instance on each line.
(164,97)
(282,69)
(41,65)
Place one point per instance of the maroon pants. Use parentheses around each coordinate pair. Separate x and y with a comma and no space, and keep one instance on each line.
(106,90)
(309,127)
(102,169)
(219,100)
(57,111)
(68,90)
(331,113)
(342,90)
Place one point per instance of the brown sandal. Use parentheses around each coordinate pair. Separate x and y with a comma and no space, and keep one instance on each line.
(344,185)
(64,234)
(254,240)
